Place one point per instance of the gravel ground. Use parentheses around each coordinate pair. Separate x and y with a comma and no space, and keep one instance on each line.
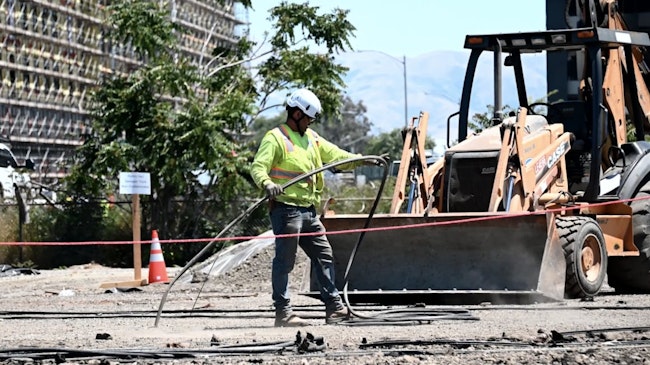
(65,312)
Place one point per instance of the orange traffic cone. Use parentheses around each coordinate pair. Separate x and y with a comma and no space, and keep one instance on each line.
(157,267)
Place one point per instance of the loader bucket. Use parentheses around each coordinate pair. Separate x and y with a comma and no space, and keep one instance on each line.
(448,258)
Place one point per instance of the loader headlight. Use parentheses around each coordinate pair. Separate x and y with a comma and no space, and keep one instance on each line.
(519,42)
(558,38)
(538,41)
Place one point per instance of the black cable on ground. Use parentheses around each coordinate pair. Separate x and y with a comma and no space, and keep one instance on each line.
(252,208)
(306,344)
(639,329)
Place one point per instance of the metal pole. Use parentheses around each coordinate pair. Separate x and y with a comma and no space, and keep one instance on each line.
(498,81)
(406,103)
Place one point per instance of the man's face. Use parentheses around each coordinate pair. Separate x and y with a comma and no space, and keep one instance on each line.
(304,123)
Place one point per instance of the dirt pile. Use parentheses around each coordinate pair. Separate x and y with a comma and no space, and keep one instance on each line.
(252,275)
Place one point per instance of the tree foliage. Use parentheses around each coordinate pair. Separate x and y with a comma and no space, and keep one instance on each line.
(482,121)
(291,64)
(263,124)
(347,129)
(180,121)
(392,143)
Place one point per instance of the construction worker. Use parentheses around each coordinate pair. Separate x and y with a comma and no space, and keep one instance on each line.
(286,152)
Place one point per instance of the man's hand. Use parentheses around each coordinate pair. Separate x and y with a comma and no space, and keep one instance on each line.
(378,162)
(273,189)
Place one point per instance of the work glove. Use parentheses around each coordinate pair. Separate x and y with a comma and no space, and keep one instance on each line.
(378,162)
(273,189)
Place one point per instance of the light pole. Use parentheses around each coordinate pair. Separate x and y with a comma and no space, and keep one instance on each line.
(403,62)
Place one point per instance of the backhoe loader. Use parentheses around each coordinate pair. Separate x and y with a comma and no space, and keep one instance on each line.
(542,205)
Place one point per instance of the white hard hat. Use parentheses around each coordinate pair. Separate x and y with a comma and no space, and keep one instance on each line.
(306,101)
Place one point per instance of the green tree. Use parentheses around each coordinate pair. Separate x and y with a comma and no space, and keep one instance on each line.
(262,124)
(290,64)
(347,129)
(155,120)
(177,120)
(482,121)
(392,143)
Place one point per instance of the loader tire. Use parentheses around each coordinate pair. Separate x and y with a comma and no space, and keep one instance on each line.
(631,275)
(586,256)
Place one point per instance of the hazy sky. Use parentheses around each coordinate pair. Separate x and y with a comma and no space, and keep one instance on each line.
(414,27)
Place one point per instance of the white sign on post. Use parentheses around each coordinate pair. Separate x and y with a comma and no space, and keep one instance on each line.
(135,183)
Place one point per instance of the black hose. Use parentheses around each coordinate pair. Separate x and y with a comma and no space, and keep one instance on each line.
(248,211)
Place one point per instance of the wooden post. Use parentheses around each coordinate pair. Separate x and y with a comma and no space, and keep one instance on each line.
(137,250)
(134,183)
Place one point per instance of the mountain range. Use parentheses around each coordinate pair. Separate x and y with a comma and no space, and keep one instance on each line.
(434,83)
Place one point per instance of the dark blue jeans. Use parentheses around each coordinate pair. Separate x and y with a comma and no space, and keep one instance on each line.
(287,219)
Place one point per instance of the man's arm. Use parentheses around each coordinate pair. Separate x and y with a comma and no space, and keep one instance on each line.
(268,154)
(330,152)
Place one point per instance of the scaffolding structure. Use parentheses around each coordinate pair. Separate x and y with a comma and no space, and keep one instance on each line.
(53,52)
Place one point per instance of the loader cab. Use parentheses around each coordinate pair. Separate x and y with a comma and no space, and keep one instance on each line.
(573,115)
(586,119)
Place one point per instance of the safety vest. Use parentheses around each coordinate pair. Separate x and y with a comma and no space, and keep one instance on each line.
(297,160)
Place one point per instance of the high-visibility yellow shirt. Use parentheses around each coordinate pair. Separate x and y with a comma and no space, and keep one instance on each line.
(285,154)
